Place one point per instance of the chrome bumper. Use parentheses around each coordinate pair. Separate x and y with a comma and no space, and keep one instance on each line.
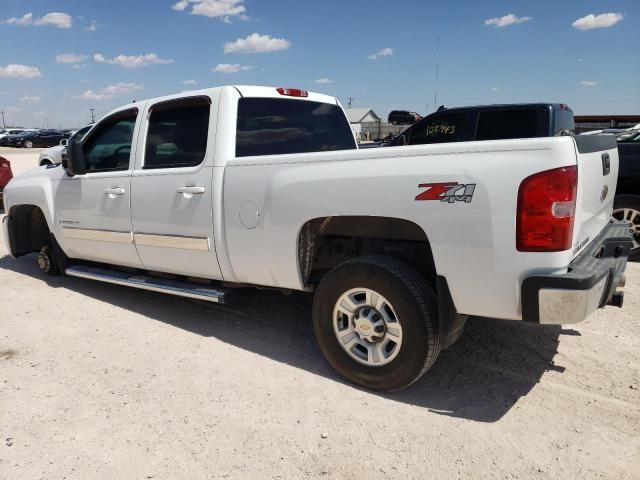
(591,282)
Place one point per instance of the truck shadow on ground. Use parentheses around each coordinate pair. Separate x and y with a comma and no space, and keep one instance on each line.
(479,378)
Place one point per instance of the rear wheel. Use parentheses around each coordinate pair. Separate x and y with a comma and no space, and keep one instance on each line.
(28,144)
(626,209)
(375,319)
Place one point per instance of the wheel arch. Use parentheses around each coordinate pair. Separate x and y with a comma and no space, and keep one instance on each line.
(29,229)
(323,242)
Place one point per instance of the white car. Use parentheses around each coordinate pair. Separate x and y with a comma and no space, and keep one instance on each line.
(53,155)
(196,193)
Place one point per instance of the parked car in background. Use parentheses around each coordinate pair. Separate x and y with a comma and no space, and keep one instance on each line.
(489,122)
(403,117)
(5,175)
(54,154)
(626,206)
(36,138)
(6,132)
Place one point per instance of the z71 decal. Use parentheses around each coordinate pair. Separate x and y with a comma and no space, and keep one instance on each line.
(447,192)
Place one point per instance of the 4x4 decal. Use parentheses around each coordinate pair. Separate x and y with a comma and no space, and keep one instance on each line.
(447,192)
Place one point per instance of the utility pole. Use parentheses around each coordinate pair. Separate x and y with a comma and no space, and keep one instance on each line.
(350,100)
(93,117)
(435,87)
(3,124)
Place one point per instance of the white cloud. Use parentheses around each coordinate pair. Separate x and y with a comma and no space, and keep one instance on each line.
(506,20)
(256,43)
(111,91)
(230,68)
(495,89)
(92,27)
(189,82)
(19,71)
(225,9)
(55,19)
(132,61)
(603,20)
(589,83)
(323,81)
(80,66)
(30,99)
(70,58)
(385,52)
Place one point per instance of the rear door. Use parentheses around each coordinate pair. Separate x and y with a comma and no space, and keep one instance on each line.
(172,198)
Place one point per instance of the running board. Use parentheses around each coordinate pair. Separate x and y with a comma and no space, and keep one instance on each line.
(180,288)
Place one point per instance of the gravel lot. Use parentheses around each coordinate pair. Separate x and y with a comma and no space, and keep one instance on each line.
(101,381)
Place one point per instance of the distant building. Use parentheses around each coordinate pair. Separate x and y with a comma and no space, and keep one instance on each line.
(358,116)
(584,123)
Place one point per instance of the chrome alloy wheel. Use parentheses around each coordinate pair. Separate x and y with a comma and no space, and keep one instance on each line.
(367,327)
(632,218)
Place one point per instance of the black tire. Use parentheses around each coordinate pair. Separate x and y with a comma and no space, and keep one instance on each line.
(415,304)
(28,144)
(631,202)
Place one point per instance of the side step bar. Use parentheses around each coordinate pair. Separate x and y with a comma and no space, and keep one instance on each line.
(180,288)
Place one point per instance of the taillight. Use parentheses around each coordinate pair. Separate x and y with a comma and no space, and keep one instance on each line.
(292,92)
(546,210)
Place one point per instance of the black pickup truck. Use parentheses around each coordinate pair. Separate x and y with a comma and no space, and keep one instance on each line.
(626,207)
(490,122)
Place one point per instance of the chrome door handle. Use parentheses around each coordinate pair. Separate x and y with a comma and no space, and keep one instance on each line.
(191,190)
(114,191)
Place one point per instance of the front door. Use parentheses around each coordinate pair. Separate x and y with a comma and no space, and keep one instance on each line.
(171,188)
(93,210)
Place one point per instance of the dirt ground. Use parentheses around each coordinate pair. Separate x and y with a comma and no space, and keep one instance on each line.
(101,381)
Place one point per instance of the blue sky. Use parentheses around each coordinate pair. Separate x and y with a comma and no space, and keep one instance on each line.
(69,56)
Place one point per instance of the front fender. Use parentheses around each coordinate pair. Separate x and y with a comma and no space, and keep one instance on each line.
(35,187)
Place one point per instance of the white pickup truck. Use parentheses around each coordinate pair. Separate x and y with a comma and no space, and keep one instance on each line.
(197,193)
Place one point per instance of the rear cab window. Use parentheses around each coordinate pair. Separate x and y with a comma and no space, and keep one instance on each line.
(275,126)
(509,124)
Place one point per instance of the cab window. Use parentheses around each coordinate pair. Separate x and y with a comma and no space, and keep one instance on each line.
(177,133)
(439,129)
(109,147)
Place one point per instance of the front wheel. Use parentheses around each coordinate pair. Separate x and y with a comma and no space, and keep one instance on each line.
(375,320)
(28,144)
(626,209)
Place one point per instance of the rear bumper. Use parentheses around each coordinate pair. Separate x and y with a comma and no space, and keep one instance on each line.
(590,283)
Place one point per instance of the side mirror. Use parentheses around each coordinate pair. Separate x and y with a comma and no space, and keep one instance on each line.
(64,142)
(401,140)
(74,160)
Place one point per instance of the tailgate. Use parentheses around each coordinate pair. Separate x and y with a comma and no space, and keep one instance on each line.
(597,159)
